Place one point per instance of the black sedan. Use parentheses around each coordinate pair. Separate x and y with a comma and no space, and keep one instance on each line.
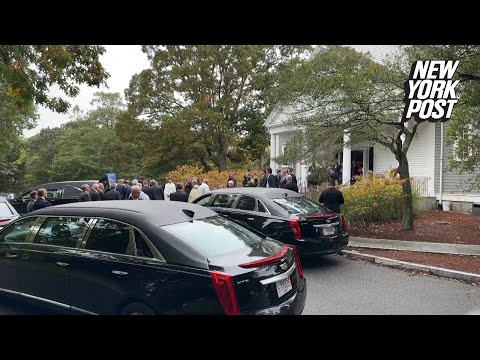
(283,215)
(147,257)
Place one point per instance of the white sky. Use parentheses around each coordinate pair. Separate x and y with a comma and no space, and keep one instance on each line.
(121,61)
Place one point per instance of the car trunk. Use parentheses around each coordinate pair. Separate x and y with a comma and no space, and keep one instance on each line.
(263,276)
(320,226)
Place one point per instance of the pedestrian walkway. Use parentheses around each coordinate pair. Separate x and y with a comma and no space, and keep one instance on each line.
(429,247)
(439,248)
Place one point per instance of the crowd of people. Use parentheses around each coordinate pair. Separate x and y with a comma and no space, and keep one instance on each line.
(145,189)
(336,171)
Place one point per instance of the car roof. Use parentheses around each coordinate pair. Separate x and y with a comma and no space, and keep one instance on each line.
(60,183)
(158,212)
(259,192)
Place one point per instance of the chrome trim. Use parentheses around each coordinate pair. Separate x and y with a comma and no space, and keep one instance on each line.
(10,291)
(56,303)
(40,299)
(326,225)
(82,311)
(118,272)
(279,277)
(261,212)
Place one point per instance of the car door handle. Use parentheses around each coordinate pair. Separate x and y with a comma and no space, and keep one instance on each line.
(251,219)
(117,272)
(62,264)
(11,256)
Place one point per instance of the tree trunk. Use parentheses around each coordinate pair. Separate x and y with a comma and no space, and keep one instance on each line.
(222,158)
(262,159)
(407,218)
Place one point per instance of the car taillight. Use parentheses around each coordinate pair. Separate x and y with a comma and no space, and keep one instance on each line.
(4,219)
(268,260)
(295,225)
(227,296)
(344,222)
(297,260)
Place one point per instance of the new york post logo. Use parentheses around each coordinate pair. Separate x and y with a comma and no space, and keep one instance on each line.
(430,91)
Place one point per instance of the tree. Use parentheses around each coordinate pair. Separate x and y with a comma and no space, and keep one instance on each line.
(341,89)
(39,153)
(214,91)
(28,72)
(463,133)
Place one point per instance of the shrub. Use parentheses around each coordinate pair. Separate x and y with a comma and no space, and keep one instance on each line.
(375,198)
(216,180)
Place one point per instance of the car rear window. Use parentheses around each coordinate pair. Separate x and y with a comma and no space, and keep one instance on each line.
(5,210)
(214,235)
(300,205)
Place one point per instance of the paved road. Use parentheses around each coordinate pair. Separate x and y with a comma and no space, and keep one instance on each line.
(337,285)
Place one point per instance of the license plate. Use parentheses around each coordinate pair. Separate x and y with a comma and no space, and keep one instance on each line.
(283,287)
(328,230)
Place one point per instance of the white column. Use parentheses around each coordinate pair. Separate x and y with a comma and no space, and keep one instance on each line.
(298,173)
(277,145)
(347,158)
(366,161)
(273,146)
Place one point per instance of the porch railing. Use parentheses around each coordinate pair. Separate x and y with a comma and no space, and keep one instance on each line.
(420,185)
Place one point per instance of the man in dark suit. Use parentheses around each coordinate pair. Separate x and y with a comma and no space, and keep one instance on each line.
(331,198)
(268,180)
(147,189)
(41,202)
(94,193)
(290,185)
(157,191)
(121,188)
(294,178)
(113,194)
(179,195)
(84,195)
(33,198)
(101,191)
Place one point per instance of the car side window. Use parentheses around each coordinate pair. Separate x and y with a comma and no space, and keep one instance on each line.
(109,236)
(141,246)
(62,231)
(224,200)
(19,231)
(204,200)
(246,203)
(261,207)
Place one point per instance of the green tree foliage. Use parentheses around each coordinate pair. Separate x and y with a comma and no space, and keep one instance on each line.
(12,122)
(28,72)
(217,94)
(105,139)
(39,153)
(341,89)
(463,133)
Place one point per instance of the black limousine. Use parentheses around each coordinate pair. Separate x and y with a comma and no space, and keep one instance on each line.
(147,257)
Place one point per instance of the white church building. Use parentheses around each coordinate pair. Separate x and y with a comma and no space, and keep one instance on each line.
(427,155)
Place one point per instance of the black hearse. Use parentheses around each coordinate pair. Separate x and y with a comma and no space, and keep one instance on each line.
(62,192)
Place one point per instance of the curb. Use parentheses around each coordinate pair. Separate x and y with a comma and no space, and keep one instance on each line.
(403,265)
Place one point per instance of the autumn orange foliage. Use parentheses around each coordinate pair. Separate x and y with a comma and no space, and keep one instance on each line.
(216,180)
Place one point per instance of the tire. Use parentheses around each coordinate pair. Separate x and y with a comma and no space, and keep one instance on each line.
(137,309)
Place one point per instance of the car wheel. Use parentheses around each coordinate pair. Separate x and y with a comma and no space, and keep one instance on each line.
(137,309)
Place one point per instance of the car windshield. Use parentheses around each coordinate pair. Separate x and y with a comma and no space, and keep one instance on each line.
(300,205)
(214,235)
(5,210)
